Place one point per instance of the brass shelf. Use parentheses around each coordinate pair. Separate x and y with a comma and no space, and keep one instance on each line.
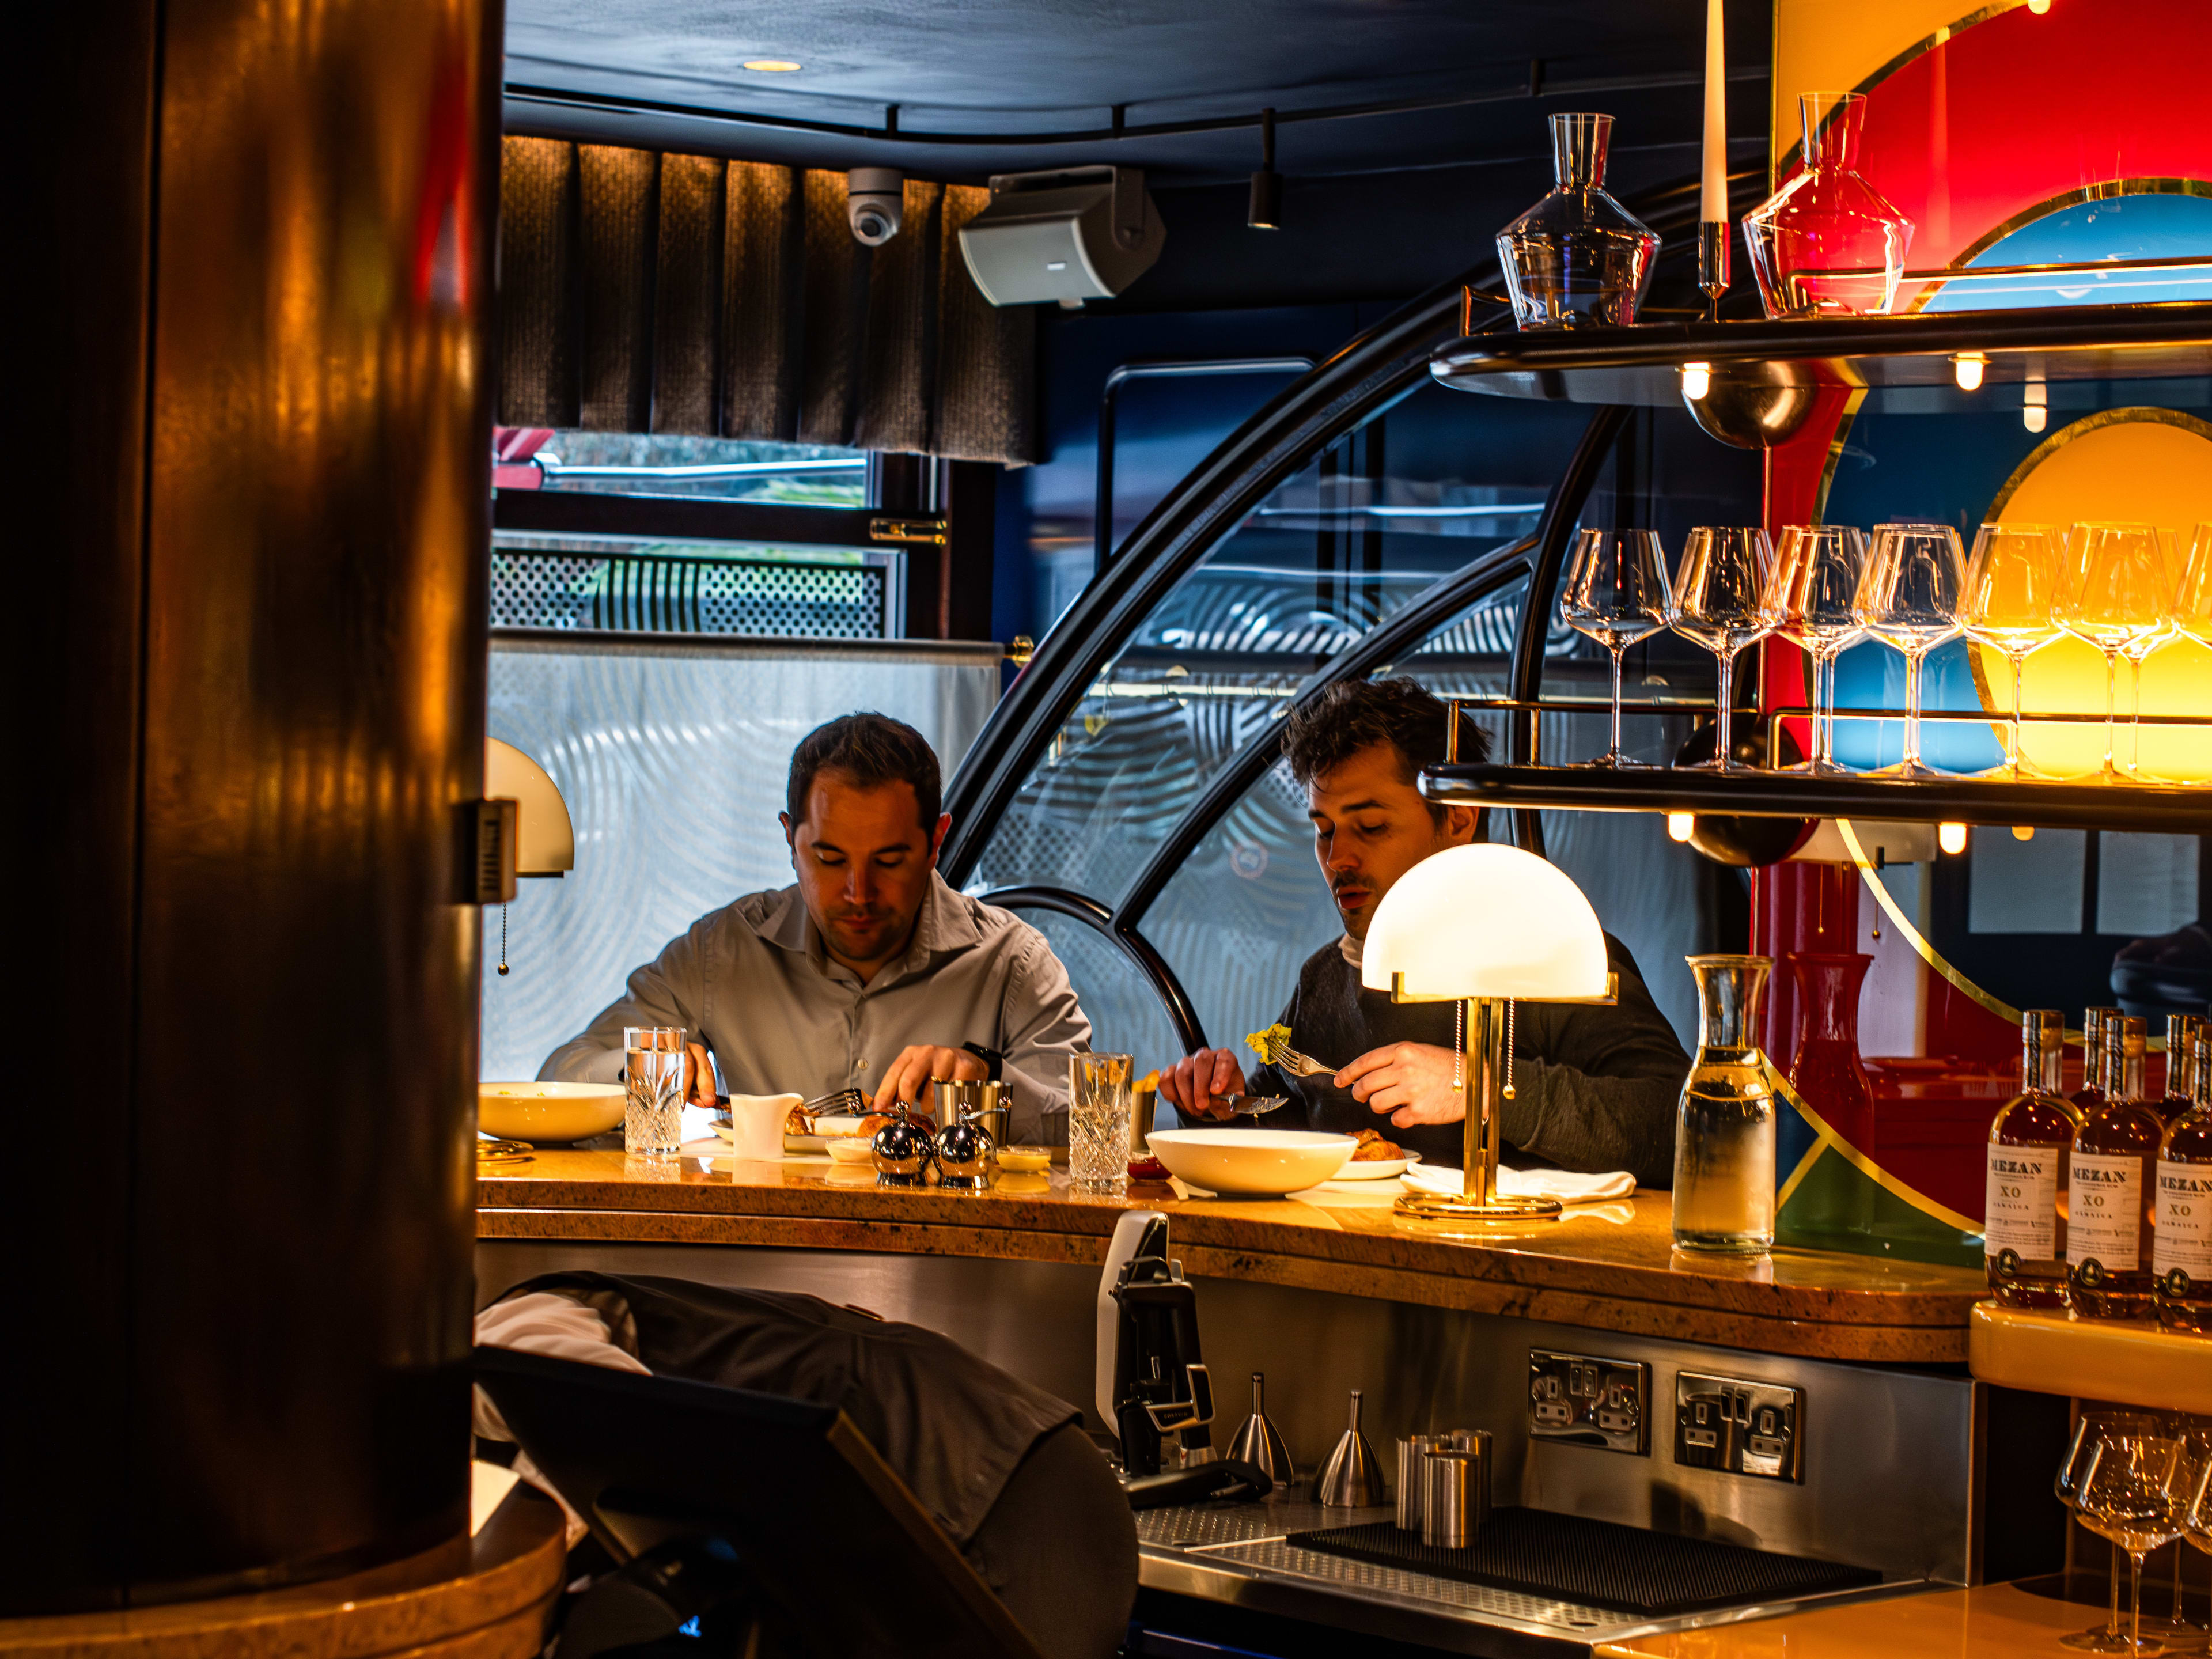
(1758,792)
(1641,365)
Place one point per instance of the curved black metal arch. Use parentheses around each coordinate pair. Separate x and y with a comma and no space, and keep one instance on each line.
(1134,944)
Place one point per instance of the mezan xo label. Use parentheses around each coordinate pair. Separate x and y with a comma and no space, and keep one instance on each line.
(2184,1239)
(2021,1203)
(2104,1218)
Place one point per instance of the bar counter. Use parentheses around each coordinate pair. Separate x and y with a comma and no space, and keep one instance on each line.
(1607,1267)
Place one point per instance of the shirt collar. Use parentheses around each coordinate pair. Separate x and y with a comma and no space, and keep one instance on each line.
(943,926)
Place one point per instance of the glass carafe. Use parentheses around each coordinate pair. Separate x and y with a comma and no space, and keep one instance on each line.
(1578,258)
(1724,1127)
(1827,243)
(1825,1071)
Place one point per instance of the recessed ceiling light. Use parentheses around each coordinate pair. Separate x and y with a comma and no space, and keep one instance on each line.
(773,65)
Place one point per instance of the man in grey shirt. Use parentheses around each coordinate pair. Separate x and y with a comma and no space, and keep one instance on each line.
(1595,1088)
(868,972)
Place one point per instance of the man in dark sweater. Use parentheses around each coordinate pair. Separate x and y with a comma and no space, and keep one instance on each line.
(1595,1088)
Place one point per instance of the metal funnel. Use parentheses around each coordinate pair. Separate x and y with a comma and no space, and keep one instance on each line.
(1351,1479)
(1257,1442)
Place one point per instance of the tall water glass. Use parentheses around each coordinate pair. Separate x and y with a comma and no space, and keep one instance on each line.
(1916,577)
(2119,598)
(652,1115)
(1724,600)
(1817,572)
(2014,582)
(1615,592)
(1098,1122)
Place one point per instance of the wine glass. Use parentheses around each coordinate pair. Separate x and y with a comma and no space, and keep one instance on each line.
(1817,572)
(2117,600)
(2083,1456)
(2191,613)
(1724,600)
(2193,1485)
(2013,583)
(1916,576)
(2127,1496)
(1615,593)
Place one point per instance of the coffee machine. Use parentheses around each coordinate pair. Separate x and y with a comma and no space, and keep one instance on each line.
(1153,1389)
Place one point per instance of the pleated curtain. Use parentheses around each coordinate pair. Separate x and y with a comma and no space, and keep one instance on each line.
(644,292)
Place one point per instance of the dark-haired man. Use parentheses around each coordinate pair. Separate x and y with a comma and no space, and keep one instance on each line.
(1595,1088)
(868,972)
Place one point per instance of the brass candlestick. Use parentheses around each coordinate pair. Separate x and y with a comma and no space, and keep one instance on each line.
(1713,264)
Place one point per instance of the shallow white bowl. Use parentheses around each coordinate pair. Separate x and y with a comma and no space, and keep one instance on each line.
(1265,1161)
(548,1111)
(851,1149)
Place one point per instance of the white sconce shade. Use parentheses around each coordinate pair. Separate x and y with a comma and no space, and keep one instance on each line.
(545,838)
(1487,920)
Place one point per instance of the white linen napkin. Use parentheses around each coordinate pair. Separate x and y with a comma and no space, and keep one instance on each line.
(1564,1185)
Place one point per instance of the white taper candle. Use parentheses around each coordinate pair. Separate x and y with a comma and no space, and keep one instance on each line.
(1713,207)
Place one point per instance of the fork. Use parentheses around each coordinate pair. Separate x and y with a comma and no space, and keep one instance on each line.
(1252,1106)
(840,1102)
(1277,1051)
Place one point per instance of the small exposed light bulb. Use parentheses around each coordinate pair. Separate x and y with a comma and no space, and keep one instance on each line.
(2034,417)
(2034,405)
(1966,368)
(1697,380)
(1679,825)
(772,66)
(2023,832)
(1951,837)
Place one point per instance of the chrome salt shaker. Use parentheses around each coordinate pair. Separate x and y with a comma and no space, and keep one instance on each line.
(1414,1477)
(1448,1501)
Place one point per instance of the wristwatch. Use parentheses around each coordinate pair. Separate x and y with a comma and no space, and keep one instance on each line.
(990,1057)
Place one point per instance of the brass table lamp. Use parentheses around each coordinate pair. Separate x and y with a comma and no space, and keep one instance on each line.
(1485,927)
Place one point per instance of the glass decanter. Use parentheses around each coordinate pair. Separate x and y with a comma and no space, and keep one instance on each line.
(1724,1126)
(1827,242)
(1825,1071)
(1578,258)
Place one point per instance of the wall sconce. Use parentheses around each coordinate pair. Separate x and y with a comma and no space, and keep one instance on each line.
(545,839)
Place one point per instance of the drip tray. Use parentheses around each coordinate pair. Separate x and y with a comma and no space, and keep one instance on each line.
(1597,1564)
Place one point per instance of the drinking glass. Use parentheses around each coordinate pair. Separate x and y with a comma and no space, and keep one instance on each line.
(1615,592)
(2117,599)
(1098,1121)
(1724,600)
(2013,583)
(1817,572)
(2083,1458)
(1916,576)
(2192,1486)
(652,1115)
(2127,1497)
(2192,595)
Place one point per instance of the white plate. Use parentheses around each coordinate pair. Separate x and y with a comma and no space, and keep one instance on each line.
(1380,1169)
(802,1142)
(1257,1162)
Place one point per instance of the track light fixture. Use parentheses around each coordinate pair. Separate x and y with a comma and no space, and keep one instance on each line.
(1265,210)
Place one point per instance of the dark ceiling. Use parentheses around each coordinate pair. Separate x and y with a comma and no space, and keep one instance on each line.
(1377,205)
(1021,70)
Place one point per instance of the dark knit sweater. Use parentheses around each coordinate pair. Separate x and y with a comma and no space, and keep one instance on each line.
(1595,1088)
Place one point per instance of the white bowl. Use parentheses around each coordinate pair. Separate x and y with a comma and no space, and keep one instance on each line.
(1266,1161)
(548,1111)
(851,1149)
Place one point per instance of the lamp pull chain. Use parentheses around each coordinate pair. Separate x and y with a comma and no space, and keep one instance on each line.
(502,941)
(1509,1048)
(1459,1045)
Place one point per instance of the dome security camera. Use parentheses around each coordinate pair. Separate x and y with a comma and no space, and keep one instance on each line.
(873,196)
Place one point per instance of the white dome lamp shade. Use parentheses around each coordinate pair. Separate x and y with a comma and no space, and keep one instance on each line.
(1484,926)
(545,839)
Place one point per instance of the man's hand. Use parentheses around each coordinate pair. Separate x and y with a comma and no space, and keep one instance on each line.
(905,1077)
(1197,1082)
(698,1075)
(1410,1081)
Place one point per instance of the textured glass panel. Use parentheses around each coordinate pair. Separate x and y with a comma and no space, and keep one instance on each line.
(2027,886)
(1346,543)
(1125,1013)
(672,760)
(2146,884)
(726,469)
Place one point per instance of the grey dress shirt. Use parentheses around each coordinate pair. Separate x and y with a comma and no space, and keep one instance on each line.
(752,982)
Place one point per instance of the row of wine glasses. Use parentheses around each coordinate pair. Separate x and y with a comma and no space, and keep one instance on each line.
(2124,588)
(2140,1479)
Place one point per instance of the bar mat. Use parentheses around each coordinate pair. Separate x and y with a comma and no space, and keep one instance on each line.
(1599,1564)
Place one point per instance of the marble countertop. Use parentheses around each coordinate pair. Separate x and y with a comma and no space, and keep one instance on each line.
(1603,1266)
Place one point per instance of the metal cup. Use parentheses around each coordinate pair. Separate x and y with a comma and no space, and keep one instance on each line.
(1414,1477)
(1449,1498)
(962,1100)
(1143,1102)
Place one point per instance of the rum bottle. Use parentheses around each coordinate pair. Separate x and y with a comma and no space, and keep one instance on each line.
(2024,1237)
(2180,1094)
(2183,1257)
(2090,1095)
(2108,1199)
